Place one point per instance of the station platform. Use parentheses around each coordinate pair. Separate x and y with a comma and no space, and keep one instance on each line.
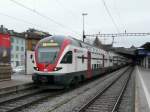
(142,94)
(17,82)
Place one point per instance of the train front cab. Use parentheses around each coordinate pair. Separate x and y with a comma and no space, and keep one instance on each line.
(58,76)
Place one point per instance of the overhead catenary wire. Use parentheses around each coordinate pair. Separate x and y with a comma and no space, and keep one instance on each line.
(112,19)
(119,16)
(69,11)
(44,16)
(122,24)
(24,21)
(34,11)
(21,20)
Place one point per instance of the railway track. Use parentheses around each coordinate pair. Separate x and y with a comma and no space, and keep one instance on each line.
(127,103)
(20,100)
(17,95)
(108,99)
(13,103)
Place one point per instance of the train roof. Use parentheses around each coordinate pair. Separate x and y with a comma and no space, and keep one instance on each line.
(74,41)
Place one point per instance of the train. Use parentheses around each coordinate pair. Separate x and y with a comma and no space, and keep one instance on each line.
(64,60)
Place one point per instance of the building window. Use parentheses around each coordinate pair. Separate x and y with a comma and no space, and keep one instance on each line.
(22,42)
(33,42)
(17,48)
(17,63)
(16,56)
(22,48)
(33,47)
(12,40)
(17,41)
(22,57)
(11,47)
(12,56)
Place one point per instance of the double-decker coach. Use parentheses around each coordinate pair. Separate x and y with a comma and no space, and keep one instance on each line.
(64,60)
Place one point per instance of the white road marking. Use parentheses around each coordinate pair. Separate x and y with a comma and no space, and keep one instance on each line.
(145,89)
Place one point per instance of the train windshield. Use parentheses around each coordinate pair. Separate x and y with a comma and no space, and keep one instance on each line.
(48,54)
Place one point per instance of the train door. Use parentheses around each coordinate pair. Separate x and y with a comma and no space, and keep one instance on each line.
(76,62)
(149,62)
(89,70)
(103,60)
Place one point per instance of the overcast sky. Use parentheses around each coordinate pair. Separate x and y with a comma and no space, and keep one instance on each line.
(64,17)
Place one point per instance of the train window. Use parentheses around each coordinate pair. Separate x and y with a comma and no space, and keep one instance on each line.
(67,57)
(94,66)
(82,58)
(47,55)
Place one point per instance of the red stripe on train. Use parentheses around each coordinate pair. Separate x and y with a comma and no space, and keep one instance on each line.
(50,67)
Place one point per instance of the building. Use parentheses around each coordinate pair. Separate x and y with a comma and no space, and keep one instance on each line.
(17,49)
(143,57)
(17,52)
(33,36)
(23,42)
(22,46)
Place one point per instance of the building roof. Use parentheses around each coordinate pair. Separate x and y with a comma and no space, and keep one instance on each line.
(146,46)
(16,34)
(99,44)
(144,50)
(35,34)
(3,30)
(29,34)
(127,51)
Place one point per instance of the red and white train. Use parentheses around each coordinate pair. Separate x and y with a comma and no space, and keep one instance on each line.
(62,60)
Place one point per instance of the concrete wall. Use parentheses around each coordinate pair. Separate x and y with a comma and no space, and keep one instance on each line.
(30,64)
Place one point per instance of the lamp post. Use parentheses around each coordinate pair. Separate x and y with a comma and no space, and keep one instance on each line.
(84,14)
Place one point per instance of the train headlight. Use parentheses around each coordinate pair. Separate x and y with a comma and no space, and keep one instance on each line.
(57,68)
(36,68)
